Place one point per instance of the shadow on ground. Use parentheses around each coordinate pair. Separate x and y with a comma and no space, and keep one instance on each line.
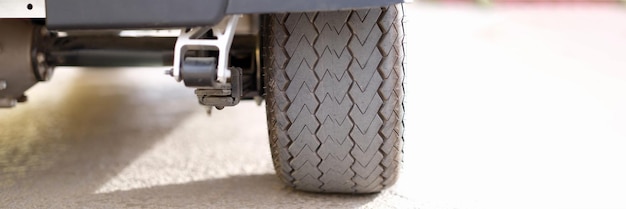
(252,191)
(80,130)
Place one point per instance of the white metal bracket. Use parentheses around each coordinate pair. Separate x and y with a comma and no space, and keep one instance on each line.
(190,40)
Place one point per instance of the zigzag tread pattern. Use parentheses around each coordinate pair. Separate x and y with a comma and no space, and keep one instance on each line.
(334,83)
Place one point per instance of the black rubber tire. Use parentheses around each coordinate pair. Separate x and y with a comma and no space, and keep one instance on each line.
(335,93)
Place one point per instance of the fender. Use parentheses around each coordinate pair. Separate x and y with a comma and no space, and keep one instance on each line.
(143,14)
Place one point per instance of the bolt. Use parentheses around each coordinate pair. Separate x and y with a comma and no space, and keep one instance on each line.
(258,100)
(208,110)
(3,85)
(170,72)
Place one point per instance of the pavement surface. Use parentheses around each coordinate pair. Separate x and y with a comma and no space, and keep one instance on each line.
(507,107)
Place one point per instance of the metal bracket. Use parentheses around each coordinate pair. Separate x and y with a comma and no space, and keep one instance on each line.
(222,95)
(190,40)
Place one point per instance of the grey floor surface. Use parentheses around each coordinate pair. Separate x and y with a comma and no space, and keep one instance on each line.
(507,107)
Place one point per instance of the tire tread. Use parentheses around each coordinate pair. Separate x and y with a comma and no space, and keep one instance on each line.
(335,98)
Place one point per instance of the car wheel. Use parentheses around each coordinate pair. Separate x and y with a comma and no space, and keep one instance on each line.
(334,91)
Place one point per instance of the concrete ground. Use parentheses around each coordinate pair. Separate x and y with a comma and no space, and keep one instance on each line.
(507,107)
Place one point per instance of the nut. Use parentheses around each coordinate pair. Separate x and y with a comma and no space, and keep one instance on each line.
(41,58)
(44,32)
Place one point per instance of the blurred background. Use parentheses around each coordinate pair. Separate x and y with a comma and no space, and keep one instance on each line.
(509,104)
